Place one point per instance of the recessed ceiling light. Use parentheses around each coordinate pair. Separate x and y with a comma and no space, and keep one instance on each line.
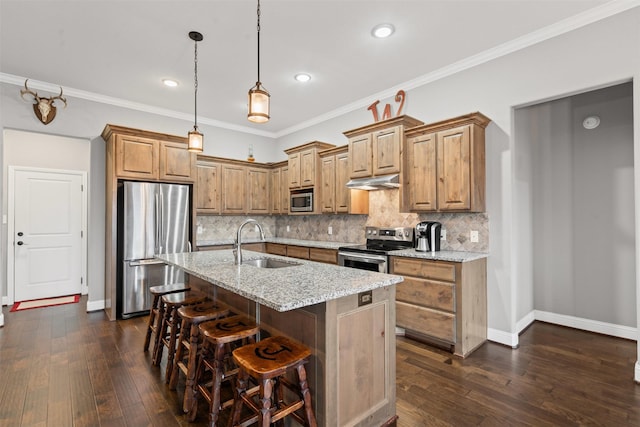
(382,31)
(170,83)
(302,77)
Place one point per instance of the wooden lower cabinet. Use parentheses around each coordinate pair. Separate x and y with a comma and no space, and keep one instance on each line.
(329,256)
(443,302)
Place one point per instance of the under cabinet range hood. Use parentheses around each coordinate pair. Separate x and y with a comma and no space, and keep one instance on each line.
(375,182)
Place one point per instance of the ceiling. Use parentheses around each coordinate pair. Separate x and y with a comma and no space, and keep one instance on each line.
(119,51)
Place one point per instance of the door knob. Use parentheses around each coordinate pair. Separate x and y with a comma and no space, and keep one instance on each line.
(20,243)
(20,233)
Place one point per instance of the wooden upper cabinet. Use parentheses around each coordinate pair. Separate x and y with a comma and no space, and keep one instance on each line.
(294,170)
(336,197)
(284,189)
(149,156)
(176,162)
(304,164)
(445,166)
(361,156)
(376,149)
(208,187)
(386,151)
(234,186)
(420,172)
(136,157)
(258,190)
(328,201)
(274,190)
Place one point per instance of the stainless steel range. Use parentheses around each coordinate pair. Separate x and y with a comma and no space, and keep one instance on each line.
(374,255)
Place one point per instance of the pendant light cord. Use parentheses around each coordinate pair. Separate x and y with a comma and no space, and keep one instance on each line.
(258,27)
(195,84)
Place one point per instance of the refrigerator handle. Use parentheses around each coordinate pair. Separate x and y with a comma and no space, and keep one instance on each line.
(156,214)
(189,246)
(161,228)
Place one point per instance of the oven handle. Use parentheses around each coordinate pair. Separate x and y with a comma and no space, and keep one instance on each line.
(374,259)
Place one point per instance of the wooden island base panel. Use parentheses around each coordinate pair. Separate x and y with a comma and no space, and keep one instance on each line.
(351,371)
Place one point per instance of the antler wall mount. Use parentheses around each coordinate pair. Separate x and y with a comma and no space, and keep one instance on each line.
(44,108)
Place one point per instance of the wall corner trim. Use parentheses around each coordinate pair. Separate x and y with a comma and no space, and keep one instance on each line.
(95,305)
(502,337)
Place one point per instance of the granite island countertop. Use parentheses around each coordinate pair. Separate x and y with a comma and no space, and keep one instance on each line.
(281,289)
(453,256)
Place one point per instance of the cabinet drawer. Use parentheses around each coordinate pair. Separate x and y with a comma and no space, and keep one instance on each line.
(436,270)
(256,247)
(427,293)
(437,324)
(277,249)
(298,252)
(329,256)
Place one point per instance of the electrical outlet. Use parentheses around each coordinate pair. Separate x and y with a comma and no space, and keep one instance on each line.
(330,230)
(443,234)
(474,236)
(200,229)
(288,228)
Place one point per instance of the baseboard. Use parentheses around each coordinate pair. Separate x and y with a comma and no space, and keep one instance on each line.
(5,300)
(619,331)
(2,320)
(95,305)
(636,373)
(523,323)
(501,337)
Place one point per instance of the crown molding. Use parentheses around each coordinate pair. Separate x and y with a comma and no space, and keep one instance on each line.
(123,103)
(580,20)
(590,16)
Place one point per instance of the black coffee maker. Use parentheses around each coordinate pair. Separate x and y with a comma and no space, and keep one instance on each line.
(428,236)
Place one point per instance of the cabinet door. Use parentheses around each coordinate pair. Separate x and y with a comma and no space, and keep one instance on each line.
(421,172)
(258,191)
(453,151)
(342,177)
(360,156)
(386,151)
(136,157)
(208,188)
(328,184)
(234,184)
(176,162)
(294,170)
(274,190)
(308,168)
(284,190)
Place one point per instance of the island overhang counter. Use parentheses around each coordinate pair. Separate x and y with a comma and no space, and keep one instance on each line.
(345,316)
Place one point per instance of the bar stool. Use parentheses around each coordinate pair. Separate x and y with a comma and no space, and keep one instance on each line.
(157,292)
(267,362)
(218,338)
(169,329)
(189,343)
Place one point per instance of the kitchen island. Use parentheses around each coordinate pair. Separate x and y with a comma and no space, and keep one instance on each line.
(345,316)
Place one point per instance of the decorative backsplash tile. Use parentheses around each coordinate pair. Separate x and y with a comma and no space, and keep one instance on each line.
(383,212)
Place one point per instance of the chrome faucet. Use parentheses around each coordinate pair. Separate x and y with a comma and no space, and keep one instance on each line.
(237,247)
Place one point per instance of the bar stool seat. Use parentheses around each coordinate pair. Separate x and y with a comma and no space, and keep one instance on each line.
(267,362)
(169,329)
(157,292)
(218,337)
(189,343)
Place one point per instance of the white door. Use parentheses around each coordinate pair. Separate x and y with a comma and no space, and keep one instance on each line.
(47,234)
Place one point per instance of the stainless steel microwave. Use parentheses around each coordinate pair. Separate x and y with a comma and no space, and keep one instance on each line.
(301,201)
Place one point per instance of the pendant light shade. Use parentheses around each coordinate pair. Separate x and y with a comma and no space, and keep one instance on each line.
(196,139)
(258,95)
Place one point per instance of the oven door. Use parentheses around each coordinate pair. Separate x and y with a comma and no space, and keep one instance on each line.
(371,262)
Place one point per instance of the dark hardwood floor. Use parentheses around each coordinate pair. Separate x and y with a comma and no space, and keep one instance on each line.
(60,366)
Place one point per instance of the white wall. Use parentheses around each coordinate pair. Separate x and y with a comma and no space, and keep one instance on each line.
(596,55)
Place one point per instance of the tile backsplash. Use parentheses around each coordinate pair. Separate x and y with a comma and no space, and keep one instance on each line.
(383,212)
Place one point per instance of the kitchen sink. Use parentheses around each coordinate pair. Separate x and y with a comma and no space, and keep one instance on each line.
(269,263)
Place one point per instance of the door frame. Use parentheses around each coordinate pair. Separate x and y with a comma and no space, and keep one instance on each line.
(11,172)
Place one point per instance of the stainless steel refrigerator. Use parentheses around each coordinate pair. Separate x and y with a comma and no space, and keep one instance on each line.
(155,220)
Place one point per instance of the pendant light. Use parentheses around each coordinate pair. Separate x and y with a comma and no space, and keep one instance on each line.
(258,96)
(196,139)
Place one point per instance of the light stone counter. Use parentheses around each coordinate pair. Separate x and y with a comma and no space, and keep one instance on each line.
(454,256)
(281,289)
